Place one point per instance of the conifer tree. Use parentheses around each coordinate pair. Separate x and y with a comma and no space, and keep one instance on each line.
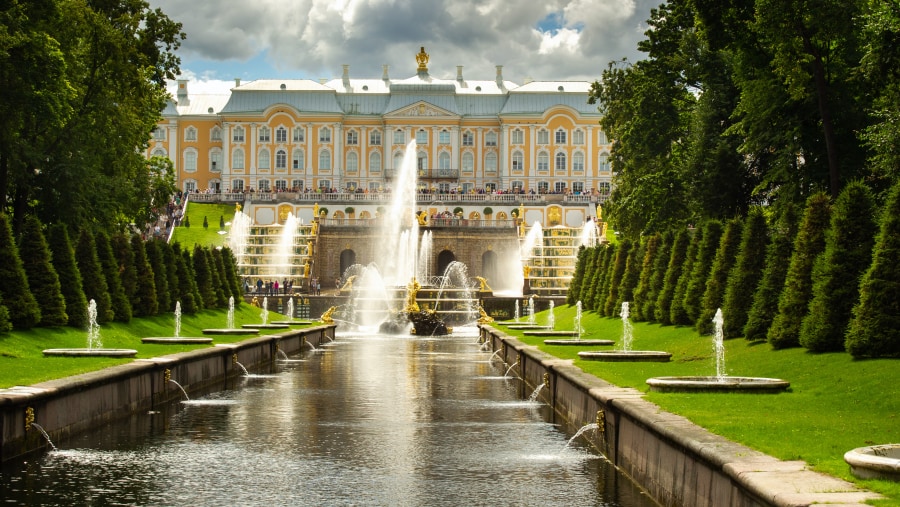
(42,277)
(714,296)
(706,254)
(203,274)
(171,271)
(837,272)
(578,276)
(217,269)
(5,324)
(189,304)
(160,276)
(121,246)
(746,274)
(874,329)
(92,279)
(657,275)
(144,302)
(617,272)
(778,255)
(121,305)
(604,277)
(676,262)
(24,312)
(591,282)
(677,313)
(793,303)
(63,255)
(630,278)
(231,273)
(643,283)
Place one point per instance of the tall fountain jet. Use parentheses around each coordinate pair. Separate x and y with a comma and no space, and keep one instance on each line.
(397,256)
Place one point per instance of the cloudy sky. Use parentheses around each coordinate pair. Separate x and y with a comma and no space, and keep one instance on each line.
(296,39)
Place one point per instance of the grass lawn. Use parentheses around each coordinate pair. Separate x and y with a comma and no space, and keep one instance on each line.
(834,404)
(23,363)
(196,233)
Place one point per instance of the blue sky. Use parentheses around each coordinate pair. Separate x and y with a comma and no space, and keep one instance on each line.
(536,39)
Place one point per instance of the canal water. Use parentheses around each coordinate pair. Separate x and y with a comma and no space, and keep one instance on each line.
(365,420)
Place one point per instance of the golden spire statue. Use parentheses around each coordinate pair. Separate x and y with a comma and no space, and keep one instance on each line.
(422,60)
(411,290)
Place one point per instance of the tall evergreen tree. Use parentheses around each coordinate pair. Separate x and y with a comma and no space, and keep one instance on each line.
(160,276)
(69,277)
(92,278)
(24,312)
(837,272)
(630,278)
(171,269)
(793,302)
(204,277)
(874,329)
(5,324)
(144,302)
(700,270)
(601,263)
(677,313)
(714,296)
(617,272)
(746,274)
(121,246)
(217,269)
(42,278)
(185,276)
(641,292)
(657,275)
(676,261)
(778,256)
(578,276)
(231,273)
(121,305)
(605,277)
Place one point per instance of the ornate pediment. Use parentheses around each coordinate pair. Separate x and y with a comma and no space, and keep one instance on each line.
(420,108)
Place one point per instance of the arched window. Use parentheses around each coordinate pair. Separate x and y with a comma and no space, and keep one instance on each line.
(518,137)
(375,162)
(398,161)
(352,138)
(444,161)
(604,163)
(324,160)
(601,138)
(375,138)
(159,152)
(325,136)
(399,137)
(215,160)
(560,136)
(468,163)
(264,134)
(444,137)
(352,162)
(263,161)
(518,161)
(238,135)
(421,137)
(490,139)
(490,163)
(237,185)
(561,162)
(237,159)
(190,161)
(299,135)
(578,137)
(281,135)
(215,134)
(468,139)
(543,136)
(190,134)
(543,162)
(422,162)
(281,159)
(298,161)
(578,162)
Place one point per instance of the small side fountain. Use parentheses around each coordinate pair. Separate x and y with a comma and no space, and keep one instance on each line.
(229,328)
(94,343)
(264,317)
(875,462)
(289,312)
(574,334)
(721,382)
(177,338)
(626,354)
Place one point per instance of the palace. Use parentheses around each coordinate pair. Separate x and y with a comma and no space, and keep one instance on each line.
(349,135)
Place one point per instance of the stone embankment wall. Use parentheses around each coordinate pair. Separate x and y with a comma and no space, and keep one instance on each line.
(79,403)
(677,462)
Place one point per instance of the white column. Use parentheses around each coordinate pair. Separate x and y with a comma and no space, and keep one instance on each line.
(250,159)
(337,168)
(503,169)
(175,154)
(226,157)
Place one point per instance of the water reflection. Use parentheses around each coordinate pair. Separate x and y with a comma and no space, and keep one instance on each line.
(368,421)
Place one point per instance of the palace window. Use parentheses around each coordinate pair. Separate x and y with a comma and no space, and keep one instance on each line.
(601,138)
(352,162)
(215,134)
(399,137)
(299,135)
(324,160)
(159,152)
(517,185)
(215,160)
(490,163)
(518,161)
(297,160)
(604,164)
(421,137)
(265,135)
(578,137)
(280,185)
(190,134)
(325,184)
(578,162)
(490,139)
(543,187)
(559,187)
(263,185)
(561,162)
(421,162)
(444,162)
(281,135)
(190,186)
(543,162)
(238,135)
(375,162)
(297,185)
(281,159)
(444,137)
(578,187)
(604,187)
(237,186)
(518,137)
(324,135)
(468,187)
(159,134)
(468,139)
(237,159)
(560,136)
(543,136)
(352,138)
(190,161)
(375,138)
(468,163)
(263,160)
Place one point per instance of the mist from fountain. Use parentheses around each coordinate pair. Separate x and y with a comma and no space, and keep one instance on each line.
(264,314)
(289,308)
(229,319)
(551,318)
(397,255)
(516,318)
(577,324)
(627,330)
(719,345)
(590,234)
(424,261)
(93,335)
(177,319)
(237,236)
(284,250)
(533,240)
(531,316)
(456,277)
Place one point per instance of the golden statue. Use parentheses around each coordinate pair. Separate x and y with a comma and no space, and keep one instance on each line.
(603,233)
(422,60)
(309,248)
(484,317)
(326,317)
(599,212)
(526,269)
(522,212)
(254,302)
(411,290)
(315,210)
(306,269)
(484,285)
(348,285)
(423,217)
(315,228)
(237,208)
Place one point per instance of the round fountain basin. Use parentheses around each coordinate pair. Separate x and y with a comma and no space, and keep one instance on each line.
(875,462)
(717,384)
(176,340)
(634,356)
(580,342)
(292,322)
(265,326)
(90,352)
(232,332)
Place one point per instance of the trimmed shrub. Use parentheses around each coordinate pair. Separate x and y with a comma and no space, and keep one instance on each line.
(69,276)
(92,279)
(203,274)
(676,261)
(714,295)
(24,312)
(42,277)
(706,254)
(578,276)
(127,273)
(657,276)
(643,285)
(874,329)
(746,274)
(121,306)
(220,283)
(154,255)
(778,255)
(837,272)
(630,279)
(794,299)
(144,302)
(184,275)
(677,313)
(616,273)
(231,273)
(5,324)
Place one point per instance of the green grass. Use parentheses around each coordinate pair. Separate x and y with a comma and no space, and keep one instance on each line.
(196,233)
(23,363)
(834,404)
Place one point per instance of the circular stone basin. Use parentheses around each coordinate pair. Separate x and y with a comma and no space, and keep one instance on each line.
(875,462)
(583,343)
(90,352)
(265,326)
(646,356)
(223,331)
(176,340)
(292,322)
(717,384)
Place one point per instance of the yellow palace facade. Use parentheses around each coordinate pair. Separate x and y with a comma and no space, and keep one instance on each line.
(349,135)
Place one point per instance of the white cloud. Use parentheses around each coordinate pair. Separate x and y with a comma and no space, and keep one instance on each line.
(563,39)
